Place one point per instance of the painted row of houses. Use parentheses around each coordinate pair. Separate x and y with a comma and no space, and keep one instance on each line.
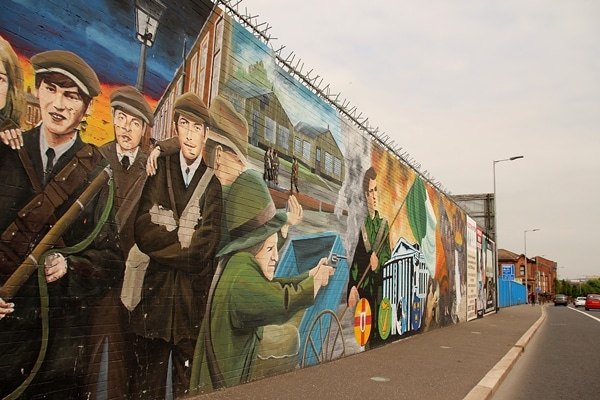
(208,71)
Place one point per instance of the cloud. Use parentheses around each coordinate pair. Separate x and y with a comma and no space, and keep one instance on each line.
(460,84)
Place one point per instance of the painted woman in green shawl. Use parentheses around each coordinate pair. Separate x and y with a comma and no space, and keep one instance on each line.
(247,297)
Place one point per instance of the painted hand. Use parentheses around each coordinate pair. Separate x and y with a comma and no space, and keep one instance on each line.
(12,138)
(55,267)
(6,308)
(151,164)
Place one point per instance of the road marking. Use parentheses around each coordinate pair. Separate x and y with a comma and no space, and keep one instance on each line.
(586,314)
(380,379)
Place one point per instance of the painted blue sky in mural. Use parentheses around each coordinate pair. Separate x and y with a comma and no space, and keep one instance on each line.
(103,33)
(313,110)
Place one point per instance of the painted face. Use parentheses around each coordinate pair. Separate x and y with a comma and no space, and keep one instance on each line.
(372,197)
(267,257)
(62,108)
(128,130)
(192,135)
(231,167)
(3,86)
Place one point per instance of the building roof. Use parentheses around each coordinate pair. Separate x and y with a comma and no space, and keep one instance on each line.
(504,254)
(310,130)
(246,89)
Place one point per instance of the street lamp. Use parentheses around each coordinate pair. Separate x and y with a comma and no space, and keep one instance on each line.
(147,15)
(525,249)
(496,222)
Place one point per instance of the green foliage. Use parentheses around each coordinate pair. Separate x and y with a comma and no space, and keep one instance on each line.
(575,289)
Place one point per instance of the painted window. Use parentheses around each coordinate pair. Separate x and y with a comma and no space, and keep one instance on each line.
(337,167)
(193,73)
(306,150)
(283,137)
(269,130)
(328,163)
(297,145)
(202,65)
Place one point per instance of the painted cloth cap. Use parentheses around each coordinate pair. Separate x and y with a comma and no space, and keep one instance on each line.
(229,127)
(131,101)
(191,106)
(70,65)
(251,216)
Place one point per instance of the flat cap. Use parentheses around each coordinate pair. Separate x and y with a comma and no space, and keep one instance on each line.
(229,127)
(192,106)
(70,65)
(131,101)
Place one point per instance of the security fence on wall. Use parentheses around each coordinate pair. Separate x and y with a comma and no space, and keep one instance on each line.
(279,230)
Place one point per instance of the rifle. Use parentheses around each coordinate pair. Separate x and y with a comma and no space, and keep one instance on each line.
(380,246)
(30,264)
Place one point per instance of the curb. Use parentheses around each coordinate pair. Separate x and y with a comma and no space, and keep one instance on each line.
(490,382)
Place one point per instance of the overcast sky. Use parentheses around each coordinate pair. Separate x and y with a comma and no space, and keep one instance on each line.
(459,84)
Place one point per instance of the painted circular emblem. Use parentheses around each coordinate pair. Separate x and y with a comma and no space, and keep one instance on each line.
(384,318)
(362,322)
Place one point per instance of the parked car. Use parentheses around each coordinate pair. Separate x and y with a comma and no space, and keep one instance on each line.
(592,301)
(561,300)
(580,301)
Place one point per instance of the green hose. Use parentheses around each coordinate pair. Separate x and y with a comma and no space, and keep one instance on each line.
(43,288)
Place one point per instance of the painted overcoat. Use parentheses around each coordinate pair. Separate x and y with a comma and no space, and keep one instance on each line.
(128,189)
(244,302)
(110,326)
(91,272)
(177,280)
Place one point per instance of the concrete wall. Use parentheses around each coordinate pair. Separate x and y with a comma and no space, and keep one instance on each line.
(392,237)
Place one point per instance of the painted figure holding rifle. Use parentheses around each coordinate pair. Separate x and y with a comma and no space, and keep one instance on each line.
(43,322)
(372,251)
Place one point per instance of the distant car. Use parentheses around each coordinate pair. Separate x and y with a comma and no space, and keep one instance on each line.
(561,300)
(580,301)
(592,301)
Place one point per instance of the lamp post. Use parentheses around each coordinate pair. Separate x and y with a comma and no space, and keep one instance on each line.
(496,223)
(147,15)
(525,250)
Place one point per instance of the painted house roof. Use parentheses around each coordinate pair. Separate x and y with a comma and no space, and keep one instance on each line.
(310,130)
(246,90)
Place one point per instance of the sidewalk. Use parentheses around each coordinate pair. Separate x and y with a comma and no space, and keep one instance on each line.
(448,363)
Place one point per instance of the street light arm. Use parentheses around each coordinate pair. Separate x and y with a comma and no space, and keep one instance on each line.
(496,224)
(513,158)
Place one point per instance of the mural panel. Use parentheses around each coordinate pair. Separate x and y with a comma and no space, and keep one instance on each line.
(233,224)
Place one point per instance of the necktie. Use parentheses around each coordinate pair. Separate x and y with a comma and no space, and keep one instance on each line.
(50,154)
(125,162)
(187,177)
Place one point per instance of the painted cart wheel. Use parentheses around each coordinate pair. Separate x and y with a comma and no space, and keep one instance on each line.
(325,339)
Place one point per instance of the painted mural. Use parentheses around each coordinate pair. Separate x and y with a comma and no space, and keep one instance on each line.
(181,214)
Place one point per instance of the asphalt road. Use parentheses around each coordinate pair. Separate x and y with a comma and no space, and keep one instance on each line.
(561,361)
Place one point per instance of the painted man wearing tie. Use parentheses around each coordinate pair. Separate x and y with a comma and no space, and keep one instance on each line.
(178,226)
(111,335)
(38,184)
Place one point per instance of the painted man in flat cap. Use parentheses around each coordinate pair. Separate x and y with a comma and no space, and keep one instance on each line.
(178,227)
(226,152)
(38,184)
(132,117)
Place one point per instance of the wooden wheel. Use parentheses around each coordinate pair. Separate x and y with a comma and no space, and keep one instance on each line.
(325,340)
